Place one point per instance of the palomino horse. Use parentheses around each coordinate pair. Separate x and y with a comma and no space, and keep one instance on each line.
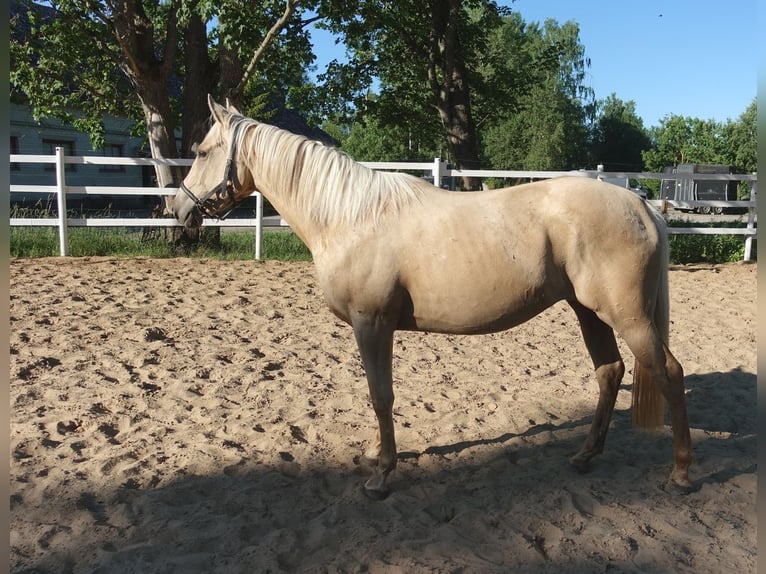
(392,251)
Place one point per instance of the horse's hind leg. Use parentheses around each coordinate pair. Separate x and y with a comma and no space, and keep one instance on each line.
(679,421)
(665,372)
(602,346)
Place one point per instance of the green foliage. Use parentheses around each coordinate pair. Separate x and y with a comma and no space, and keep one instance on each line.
(97,77)
(529,96)
(369,140)
(618,136)
(420,54)
(535,119)
(741,137)
(547,134)
(79,92)
(527,84)
(708,248)
(681,139)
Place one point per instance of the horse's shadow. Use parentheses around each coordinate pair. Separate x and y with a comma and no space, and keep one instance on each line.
(723,402)
(503,439)
(265,519)
(722,405)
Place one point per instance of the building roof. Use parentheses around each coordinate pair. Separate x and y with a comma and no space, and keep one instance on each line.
(292,121)
(20,27)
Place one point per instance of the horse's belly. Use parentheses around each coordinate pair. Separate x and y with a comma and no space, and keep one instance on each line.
(484,308)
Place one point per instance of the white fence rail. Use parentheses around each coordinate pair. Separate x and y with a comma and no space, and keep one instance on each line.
(437,170)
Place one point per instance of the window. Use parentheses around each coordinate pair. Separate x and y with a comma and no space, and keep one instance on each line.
(113,150)
(49,147)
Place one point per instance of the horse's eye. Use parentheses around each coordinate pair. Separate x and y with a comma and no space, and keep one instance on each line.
(201,154)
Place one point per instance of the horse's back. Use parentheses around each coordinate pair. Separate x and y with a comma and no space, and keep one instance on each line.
(491,260)
(565,218)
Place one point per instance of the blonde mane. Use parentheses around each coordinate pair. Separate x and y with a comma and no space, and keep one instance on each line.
(321,180)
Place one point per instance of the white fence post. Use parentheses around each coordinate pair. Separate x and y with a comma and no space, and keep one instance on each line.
(750,222)
(258,225)
(438,171)
(61,196)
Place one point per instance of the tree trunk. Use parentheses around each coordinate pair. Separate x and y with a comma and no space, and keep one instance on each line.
(148,71)
(449,86)
(159,130)
(160,133)
(201,79)
(231,71)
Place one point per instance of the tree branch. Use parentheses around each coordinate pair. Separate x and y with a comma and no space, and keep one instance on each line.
(272,33)
(310,21)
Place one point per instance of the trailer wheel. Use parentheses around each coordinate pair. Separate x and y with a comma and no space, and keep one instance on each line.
(718,210)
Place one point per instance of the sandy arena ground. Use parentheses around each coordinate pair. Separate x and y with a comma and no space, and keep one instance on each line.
(205,417)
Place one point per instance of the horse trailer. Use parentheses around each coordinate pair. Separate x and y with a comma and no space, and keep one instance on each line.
(688,190)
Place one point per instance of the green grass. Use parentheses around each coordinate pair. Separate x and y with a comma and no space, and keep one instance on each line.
(282,245)
(123,242)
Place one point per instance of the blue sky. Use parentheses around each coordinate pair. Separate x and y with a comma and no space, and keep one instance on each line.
(695,58)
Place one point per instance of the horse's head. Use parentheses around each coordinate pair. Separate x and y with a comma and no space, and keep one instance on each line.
(219,178)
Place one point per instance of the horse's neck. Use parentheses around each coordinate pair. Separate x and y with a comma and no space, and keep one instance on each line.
(299,221)
(296,189)
(288,206)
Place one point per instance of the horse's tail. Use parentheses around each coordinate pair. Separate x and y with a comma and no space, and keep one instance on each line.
(648,406)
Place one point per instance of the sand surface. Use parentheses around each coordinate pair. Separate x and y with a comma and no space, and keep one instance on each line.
(195,416)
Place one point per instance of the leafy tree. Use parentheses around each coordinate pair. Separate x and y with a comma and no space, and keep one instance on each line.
(619,136)
(80,92)
(542,127)
(741,140)
(741,145)
(420,52)
(526,85)
(155,59)
(369,140)
(158,59)
(679,140)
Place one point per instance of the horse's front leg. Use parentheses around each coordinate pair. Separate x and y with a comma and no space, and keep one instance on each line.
(374,337)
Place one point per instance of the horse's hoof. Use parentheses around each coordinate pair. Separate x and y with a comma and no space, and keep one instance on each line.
(376,495)
(681,488)
(580,465)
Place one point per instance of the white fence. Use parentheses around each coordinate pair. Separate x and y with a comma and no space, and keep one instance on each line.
(437,169)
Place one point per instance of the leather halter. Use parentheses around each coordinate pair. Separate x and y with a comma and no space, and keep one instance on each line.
(224,190)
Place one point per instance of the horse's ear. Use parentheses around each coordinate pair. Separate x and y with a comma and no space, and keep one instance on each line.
(231,108)
(216,109)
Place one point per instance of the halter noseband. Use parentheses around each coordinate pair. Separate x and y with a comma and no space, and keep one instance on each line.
(224,189)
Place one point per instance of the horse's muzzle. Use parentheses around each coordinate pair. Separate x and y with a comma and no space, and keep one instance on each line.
(185,211)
